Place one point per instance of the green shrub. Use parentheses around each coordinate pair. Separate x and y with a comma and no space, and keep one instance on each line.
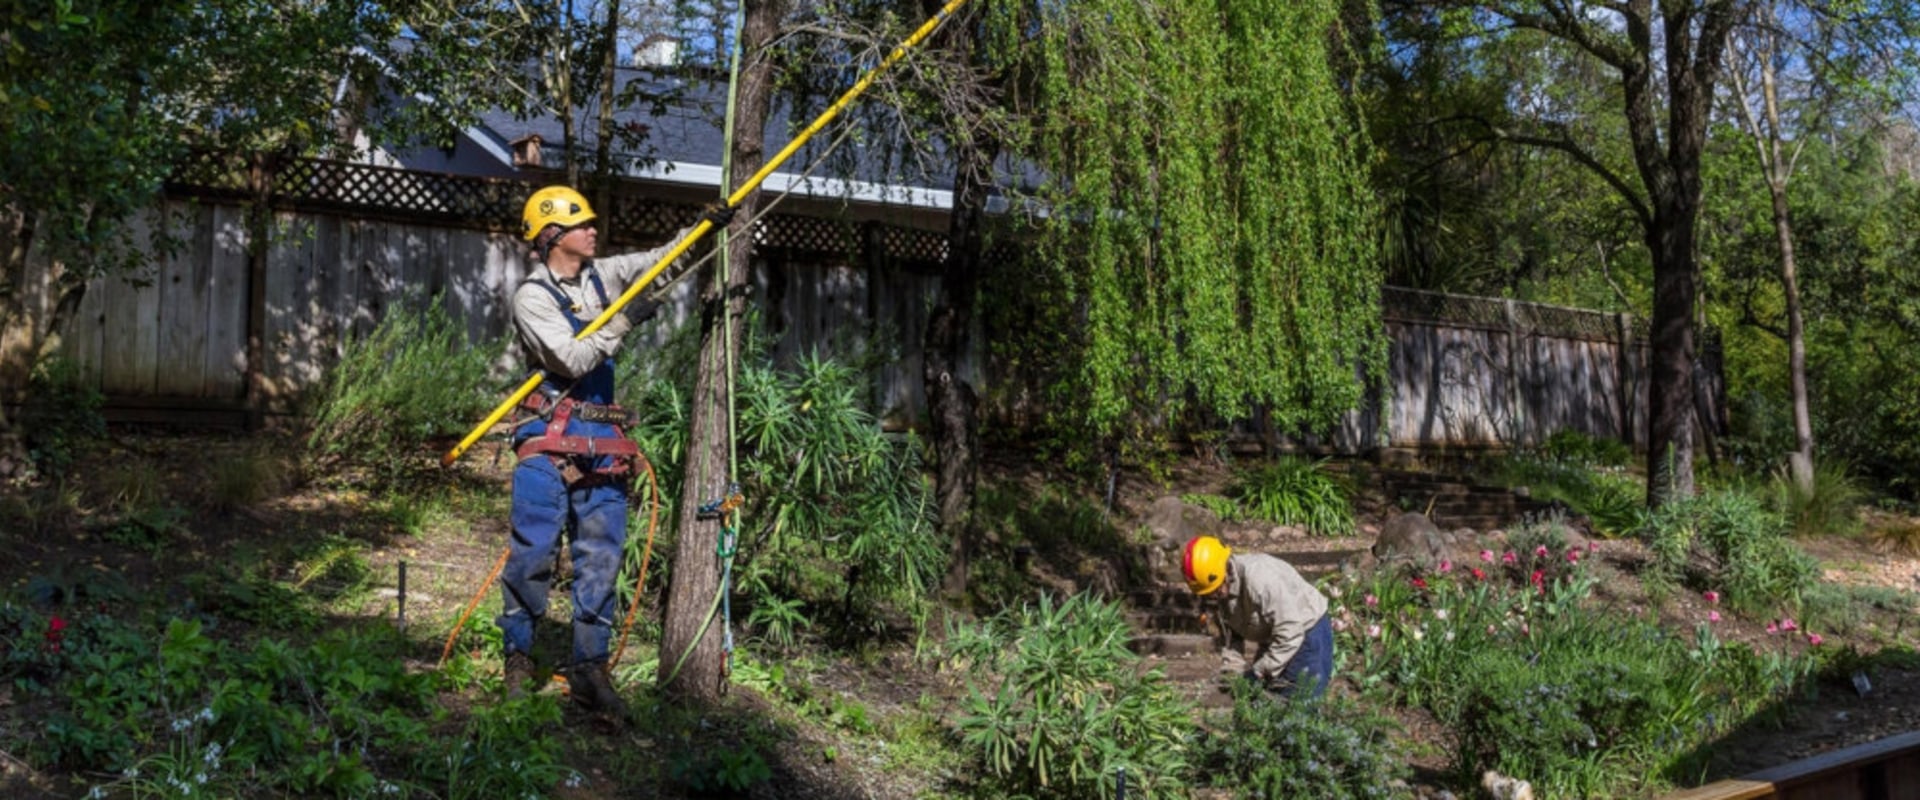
(1731,541)
(416,377)
(1057,705)
(1294,491)
(1531,681)
(839,514)
(169,710)
(1328,749)
(1580,448)
(60,415)
(1825,508)
(1223,507)
(1612,499)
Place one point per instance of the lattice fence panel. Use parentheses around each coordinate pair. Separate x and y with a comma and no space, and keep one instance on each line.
(1413,305)
(1565,323)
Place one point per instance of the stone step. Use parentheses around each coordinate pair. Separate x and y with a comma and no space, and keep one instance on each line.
(1444,489)
(1171,645)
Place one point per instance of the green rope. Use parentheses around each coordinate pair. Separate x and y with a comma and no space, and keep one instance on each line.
(729,535)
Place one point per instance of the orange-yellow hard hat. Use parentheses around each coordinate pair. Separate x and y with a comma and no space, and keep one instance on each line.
(1205,564)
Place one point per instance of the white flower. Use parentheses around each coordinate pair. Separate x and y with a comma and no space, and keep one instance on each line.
(1439,613)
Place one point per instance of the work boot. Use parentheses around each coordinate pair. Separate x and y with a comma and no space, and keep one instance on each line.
(519,675)
(591,685)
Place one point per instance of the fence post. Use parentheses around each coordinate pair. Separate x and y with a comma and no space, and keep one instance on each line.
(1516,410)
(1624,365)
(259,218)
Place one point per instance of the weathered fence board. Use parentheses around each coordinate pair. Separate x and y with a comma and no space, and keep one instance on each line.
(1467,372)
(225,355)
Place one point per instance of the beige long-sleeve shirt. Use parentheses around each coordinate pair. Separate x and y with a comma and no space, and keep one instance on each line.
(1267,602)
(544,333)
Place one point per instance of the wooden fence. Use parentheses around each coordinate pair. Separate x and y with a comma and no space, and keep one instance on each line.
(347,242)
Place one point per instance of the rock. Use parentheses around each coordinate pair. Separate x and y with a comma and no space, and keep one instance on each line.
(1410,538)
(1172,520)
(1501,787)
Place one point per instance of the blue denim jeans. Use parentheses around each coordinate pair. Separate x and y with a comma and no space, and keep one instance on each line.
(543,510)
(1312,666)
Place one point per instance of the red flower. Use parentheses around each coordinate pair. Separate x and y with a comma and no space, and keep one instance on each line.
(56,628)
(1478,575)
(1540,580)
(1419,583)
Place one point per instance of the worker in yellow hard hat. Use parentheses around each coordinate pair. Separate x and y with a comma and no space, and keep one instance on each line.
(575,462)
(1264,600)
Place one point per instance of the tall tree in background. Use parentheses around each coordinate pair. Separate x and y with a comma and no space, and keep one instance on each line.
(1795,66)
(1667,56)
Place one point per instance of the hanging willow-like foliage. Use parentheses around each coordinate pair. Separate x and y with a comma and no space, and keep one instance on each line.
(1209,200)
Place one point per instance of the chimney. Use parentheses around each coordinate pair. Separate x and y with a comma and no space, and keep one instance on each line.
(526,150)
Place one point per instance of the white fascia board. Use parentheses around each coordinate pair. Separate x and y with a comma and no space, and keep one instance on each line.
(708,175)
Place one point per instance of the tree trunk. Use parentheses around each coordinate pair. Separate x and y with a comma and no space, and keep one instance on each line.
(1801,460)
(951,400)
(696,566)
(603,142)
(1670,396)
(18,342)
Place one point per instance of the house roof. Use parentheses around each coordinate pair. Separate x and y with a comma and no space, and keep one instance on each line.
(684,146)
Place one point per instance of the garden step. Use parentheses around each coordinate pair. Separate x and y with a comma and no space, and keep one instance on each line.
(1169,645)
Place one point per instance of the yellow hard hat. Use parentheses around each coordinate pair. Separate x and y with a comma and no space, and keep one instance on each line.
(553,205)
(1205,564)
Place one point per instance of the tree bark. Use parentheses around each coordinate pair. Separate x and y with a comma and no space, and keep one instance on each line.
(603,140)
(695,582)
(951,399)
(1801,460)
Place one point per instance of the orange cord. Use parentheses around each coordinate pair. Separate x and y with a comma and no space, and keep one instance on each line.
(640,582)
(472,604)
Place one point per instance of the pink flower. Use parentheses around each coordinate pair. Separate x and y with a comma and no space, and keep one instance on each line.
(1372,601)
(1787,625)
(1509,558)
(1490,630)
(1487,556)
(1373,631)
(1540,552)
(1713,616)
(1593,547)
(1573,556)
(1339,624)
(1445,566)
(1540,579)
(1772,629)
(1712,597)
(1525,630)
(1814,639)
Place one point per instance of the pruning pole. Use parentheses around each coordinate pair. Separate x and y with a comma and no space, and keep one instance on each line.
(703,226)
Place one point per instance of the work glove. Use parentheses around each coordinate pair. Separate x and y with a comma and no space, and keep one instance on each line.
(640,311)
(720,214)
